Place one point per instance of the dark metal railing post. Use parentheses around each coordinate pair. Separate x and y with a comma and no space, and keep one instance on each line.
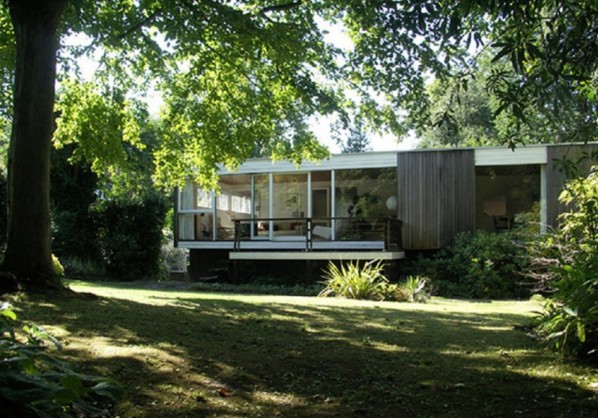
(237,235)
(387,229)
(308,236)
(400,234)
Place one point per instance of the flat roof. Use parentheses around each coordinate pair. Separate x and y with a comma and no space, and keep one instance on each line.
(484,156)
(381,159)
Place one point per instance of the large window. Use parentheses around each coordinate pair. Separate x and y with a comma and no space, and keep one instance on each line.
(289,204)
(233,203)
(366,193)
(363,198)
(261,204)
(196,218)
(278,205)
(502,192)
(321,197)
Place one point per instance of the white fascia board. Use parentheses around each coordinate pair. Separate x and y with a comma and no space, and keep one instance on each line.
(335,162)
(206,245)
(531,154)
(318,255)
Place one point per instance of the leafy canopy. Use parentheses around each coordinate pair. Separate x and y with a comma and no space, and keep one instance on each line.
(236,75)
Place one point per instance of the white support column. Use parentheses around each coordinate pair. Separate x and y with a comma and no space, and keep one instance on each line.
(333,203)
(309,196)
(270,205)
(252,214)
(543,202)
(214,216)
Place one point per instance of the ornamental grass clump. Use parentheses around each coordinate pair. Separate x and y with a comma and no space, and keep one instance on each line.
(413,289)
(356,281)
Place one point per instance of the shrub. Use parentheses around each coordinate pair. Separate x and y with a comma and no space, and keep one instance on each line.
(73,191)
(355,281)
(567,261)
(34,382)
(131,236)
(77,268)
(174,259)
(478,265)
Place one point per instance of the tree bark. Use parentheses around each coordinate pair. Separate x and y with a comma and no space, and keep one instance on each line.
(28,252)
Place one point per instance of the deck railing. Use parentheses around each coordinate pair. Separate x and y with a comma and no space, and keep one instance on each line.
(310,230)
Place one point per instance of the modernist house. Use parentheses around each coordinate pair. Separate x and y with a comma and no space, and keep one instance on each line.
(367,205)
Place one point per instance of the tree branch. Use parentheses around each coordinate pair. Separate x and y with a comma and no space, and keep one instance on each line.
(281,7)
(141,23)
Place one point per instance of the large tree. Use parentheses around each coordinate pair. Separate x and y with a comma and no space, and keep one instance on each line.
(241,73)
(35,24)
(463,112)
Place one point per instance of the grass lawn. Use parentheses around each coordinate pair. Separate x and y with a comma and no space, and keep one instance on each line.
(192,354)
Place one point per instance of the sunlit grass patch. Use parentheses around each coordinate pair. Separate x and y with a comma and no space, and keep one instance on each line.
(189,354)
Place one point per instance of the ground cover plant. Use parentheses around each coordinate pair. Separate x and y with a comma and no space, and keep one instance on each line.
(191,354)
(36,383)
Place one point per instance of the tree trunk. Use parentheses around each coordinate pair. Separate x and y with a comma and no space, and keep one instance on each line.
(28,252)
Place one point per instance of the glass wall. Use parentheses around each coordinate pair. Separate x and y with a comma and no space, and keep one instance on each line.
(289,204)
(502,192)
(233,202)
(261,204)
(363,198)
(196,218)
(344,204)
(321,197)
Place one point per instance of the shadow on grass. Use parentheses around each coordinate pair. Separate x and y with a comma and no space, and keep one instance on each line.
(216,357)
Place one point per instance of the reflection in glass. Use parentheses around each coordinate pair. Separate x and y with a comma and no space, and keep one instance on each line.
(233,203)
(364,198)
(289,204)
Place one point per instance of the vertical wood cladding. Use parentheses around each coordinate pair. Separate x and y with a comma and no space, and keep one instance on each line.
(436,195)
(556,179)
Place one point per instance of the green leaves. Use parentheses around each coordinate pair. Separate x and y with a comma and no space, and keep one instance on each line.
(36,382)
(569,322)
(100,123)
(6,312)
(244,76)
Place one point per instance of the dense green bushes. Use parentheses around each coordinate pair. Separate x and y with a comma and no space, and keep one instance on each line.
(130,236)
(567,263)
(478,265)
(73,191)
(119,238)
(106,225)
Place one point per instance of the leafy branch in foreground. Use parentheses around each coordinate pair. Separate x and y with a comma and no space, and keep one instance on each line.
(34,382)
(568,263)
